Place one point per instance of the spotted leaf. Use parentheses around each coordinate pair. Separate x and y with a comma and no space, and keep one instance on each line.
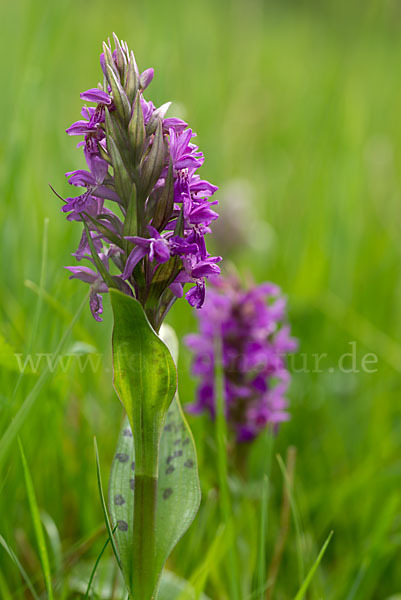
(178,491)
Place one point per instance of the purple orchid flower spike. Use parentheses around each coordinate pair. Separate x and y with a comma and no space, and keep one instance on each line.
(143,203)
(255,340)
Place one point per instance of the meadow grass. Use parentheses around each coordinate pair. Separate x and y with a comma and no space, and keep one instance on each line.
(302,100)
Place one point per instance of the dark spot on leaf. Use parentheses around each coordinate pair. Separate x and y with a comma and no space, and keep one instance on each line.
(127,432)
(177,453)
(169,469)
(189,463)
(119,500)
(132,484)
(169,459)
(122,525)
(133,465)
(185,442)
(176,442)
(122,457)
(167,493)
(168,427)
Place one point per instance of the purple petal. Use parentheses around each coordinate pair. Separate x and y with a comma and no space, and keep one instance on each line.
(173,123)
(154,233)
(146,78)
(136,255)
(83,273)
(79,128)
(204,269)
(188,161)
(103,64)
(108,194)
(202,214)
(177,289)
(139,241)
(196,295)
(98,167)
(96,95)
(96,306)
(160,251)
(80,178)
(203,188)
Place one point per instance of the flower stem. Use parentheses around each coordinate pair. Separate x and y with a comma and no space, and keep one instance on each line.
(143,583)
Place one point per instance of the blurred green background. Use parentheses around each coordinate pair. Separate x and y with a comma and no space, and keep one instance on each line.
(297,109)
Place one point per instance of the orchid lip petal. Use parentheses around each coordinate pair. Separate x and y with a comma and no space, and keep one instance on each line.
(96,95)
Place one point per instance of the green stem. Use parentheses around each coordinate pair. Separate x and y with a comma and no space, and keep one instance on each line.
(144,538)
(226,509)
(145,503)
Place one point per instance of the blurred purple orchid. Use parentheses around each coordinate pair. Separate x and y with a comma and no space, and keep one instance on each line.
(250,323)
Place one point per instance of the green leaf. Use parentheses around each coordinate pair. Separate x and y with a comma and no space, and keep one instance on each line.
(109,58)
(157,114)
(178,491)
(107,278)
(136,130)
(121,497)
(177,484)
(119,96)
(116,148)
(121,60)
(37,525)
(165,201)
(145,377)
(119,135)
(152,164)
(131,83)
(105,231)
(131,219)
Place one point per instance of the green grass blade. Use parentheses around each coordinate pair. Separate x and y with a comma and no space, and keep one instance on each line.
(39,303)
(55,541)
(92,575)
(261,578)
(37,524)
(213,556)
(105,513)
(24,410)
(296,517)
(221,434)
(59,309)
(301,594)
(5,593)
(20,568)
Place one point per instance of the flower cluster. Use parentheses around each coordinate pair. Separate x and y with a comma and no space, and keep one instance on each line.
(145,209)
(247,324)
